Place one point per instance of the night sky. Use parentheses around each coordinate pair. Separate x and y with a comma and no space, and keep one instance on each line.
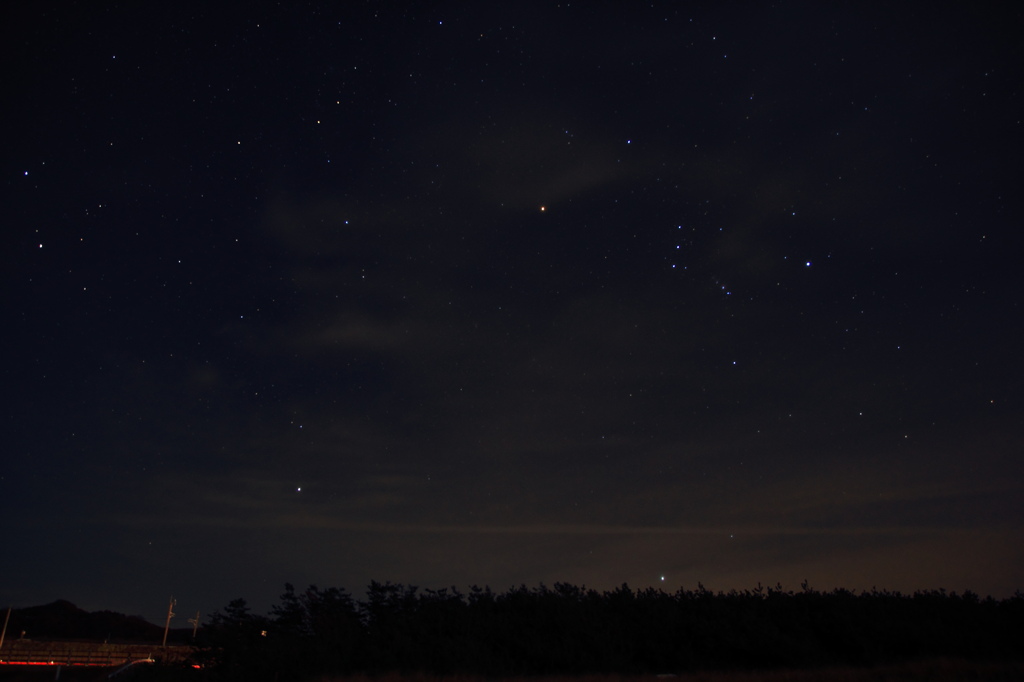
(459,294)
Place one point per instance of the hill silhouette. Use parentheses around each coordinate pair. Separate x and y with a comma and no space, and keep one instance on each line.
(62,620)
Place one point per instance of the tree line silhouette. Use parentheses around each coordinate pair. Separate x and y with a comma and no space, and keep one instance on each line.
(573,630)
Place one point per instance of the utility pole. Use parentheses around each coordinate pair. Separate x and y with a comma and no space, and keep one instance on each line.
(167,626)
(195,625)
(4,632)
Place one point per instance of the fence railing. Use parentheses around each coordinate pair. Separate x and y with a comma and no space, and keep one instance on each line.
(86,653)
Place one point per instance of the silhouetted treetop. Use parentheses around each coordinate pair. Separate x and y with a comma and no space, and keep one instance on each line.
(568,629)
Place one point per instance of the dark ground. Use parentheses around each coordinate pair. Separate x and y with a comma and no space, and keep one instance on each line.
(939,670)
